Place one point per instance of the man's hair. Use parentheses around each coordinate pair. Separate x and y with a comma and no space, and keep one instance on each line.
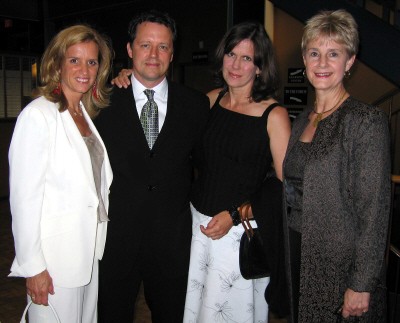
(155,16)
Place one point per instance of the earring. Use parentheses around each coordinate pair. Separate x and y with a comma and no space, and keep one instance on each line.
(304,73)
(257,76)
(94,91)
(57,89)
(347,74)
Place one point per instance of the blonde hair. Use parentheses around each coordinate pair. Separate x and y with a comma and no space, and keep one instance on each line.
(338,26)
(52,60)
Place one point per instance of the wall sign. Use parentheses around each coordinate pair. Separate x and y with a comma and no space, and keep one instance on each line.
(295,75)
(295,95)
(200,56)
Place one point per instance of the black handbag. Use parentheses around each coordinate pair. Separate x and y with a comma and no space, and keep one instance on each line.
(253,261)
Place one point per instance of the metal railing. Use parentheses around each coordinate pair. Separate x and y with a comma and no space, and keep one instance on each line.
(18,76)
(387,10)
(390,102)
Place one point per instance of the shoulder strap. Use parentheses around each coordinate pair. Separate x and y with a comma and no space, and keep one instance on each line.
(220,95)
(269,109)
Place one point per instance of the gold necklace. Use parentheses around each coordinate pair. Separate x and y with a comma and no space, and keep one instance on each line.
(77,113)
(318,118)
(80,113)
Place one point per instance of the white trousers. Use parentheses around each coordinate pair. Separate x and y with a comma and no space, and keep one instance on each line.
(73,305)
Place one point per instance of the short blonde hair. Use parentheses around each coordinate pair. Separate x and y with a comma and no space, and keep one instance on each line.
(338,26)
(52,60)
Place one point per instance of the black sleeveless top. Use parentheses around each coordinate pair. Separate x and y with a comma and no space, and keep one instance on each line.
(235,160)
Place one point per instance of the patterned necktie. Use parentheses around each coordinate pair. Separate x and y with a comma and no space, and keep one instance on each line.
(149,118)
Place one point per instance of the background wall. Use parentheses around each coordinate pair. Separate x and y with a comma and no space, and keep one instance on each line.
(6,129)
(201,24)
(364,83)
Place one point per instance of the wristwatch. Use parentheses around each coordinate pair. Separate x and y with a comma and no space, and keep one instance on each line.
(235,215)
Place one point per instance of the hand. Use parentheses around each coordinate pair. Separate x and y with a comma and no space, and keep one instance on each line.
(39,287)
(122,80)
(219,225)
(355,304)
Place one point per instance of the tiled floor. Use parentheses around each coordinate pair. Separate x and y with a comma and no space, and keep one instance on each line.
(12,290)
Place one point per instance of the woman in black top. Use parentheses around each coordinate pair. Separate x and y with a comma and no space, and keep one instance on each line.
(244,143)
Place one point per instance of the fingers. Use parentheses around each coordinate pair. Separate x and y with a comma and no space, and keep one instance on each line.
(122,80)
(218,226)
(209,232)
(39,286)
(51,289)
(214,232)
(40,299)
(355,303)
(345,313)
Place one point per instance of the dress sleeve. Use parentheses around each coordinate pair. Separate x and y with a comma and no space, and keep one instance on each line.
(28,158)
(371,200)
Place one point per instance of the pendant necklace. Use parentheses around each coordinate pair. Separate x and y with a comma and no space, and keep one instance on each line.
(80,113)
(318,118)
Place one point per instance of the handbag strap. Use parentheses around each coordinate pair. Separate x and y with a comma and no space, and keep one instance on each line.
(23,318)
(244,217)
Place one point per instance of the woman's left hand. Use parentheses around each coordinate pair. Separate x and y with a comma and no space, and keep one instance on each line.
(355,303)
(219,225)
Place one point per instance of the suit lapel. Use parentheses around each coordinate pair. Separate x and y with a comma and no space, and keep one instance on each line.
(170,118)
(127,107)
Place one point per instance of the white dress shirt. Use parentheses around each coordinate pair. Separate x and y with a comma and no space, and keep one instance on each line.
(160,97)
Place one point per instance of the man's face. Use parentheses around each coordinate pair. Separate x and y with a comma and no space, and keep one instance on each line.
(151,53)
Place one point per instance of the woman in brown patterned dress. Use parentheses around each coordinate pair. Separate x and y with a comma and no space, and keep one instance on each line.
(337,187)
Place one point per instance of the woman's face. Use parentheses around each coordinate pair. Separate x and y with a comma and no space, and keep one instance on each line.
(238,67)
(79,69)
(326,62)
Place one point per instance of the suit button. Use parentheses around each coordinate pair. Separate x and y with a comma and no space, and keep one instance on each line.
(151,187)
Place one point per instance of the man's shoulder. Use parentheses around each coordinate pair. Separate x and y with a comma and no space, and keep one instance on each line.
(178,88)
(121,93)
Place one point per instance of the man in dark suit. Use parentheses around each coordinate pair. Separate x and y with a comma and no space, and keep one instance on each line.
(149,232)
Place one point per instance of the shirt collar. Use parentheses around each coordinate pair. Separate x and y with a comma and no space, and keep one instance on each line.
(160,89)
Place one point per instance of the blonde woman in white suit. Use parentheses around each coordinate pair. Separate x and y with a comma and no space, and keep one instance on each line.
(59,179)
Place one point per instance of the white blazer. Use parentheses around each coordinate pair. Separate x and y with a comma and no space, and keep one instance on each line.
(53,196)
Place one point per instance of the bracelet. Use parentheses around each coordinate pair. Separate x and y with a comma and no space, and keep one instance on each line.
(235,215)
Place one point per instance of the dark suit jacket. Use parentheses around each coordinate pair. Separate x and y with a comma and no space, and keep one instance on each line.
(149,196)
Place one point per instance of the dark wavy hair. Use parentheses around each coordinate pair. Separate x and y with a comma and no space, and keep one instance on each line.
(266,85)
(156,16)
